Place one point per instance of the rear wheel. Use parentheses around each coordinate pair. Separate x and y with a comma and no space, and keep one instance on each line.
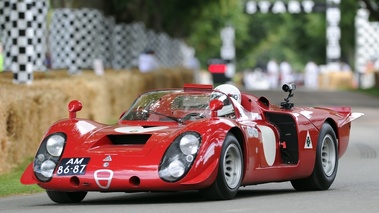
(66,197)
(326,164)
(230,172)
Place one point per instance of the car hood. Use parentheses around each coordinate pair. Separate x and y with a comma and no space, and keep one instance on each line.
(124,138)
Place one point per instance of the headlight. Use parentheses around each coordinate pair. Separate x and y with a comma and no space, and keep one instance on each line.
(47,168)
(176,168)
(48,156)
(189,144)
(179,156)
(54,145)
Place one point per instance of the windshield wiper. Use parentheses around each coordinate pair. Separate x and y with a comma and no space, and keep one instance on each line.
(179,120)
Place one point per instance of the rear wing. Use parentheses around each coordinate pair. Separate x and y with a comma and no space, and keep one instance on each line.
(345,114)
(350,118)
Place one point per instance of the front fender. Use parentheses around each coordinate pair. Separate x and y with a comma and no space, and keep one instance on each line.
(28,175)
(205,168)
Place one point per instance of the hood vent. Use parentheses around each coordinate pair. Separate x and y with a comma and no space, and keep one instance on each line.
(129,139)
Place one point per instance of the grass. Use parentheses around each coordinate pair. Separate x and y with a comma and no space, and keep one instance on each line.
(371,91)
(10,183)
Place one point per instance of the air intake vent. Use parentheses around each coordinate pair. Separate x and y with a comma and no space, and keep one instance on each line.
(130,139)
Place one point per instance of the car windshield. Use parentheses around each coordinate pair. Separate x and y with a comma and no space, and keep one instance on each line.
(172,105)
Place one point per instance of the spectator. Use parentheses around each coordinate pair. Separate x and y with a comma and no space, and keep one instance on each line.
(285,73)
(147,61)
(311,75)
(273,73)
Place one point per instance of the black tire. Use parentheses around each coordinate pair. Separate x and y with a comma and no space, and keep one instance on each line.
(326,164)
(66,197)
(230,172)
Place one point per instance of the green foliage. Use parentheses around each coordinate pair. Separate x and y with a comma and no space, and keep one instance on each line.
(205,35)
(297,38)
(374,91)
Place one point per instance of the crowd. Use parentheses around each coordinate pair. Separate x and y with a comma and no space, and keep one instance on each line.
(275,74)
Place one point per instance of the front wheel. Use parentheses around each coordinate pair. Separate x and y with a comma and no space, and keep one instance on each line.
(230,172)
(66,197)
(326,164)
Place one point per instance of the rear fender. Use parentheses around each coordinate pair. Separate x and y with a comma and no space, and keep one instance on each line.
(344,113)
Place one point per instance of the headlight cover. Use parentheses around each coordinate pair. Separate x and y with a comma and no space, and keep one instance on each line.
(189,144)
(179,156)
(48,156)
(55,144)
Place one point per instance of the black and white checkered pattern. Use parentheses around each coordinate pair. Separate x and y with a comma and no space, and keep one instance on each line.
(5,26)
(163,48)
(176,53)
(137,42)
(59,38)
(120,47)
(40,31)
(22,36)
(22,32)
(76,38)
(367,40)
(105,39)
(128,42)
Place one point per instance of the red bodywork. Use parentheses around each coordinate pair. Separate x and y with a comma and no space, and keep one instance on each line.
(263,130)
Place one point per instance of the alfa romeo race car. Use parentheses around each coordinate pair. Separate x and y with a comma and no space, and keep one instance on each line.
(213,140)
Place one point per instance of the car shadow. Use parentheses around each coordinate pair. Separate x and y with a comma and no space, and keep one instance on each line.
(151,198)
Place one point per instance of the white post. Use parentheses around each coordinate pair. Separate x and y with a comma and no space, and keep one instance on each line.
(333,32)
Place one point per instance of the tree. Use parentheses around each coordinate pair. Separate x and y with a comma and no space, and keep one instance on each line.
(259,37)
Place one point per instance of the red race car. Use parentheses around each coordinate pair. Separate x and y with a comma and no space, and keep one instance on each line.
(193,138)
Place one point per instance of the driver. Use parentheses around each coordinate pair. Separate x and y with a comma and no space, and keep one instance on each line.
(231,91)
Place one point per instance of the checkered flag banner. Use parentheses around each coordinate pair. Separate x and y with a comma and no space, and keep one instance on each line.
(75,38)
(367,40)
(22,31)
(78,37)
(105,39)
(127,43)
(5,26)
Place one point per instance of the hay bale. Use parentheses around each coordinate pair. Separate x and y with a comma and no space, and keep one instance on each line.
(26,111)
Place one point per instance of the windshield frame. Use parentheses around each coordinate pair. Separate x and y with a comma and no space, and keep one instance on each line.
(173,105)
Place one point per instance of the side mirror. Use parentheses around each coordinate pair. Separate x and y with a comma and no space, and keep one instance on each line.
(73,107)
(215,105)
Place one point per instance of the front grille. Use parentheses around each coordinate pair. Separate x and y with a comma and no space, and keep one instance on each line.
(129,139)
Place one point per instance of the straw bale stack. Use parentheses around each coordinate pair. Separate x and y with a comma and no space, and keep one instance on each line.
(26,111)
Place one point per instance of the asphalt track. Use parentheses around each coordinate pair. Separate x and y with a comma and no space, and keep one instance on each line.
(356,188)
